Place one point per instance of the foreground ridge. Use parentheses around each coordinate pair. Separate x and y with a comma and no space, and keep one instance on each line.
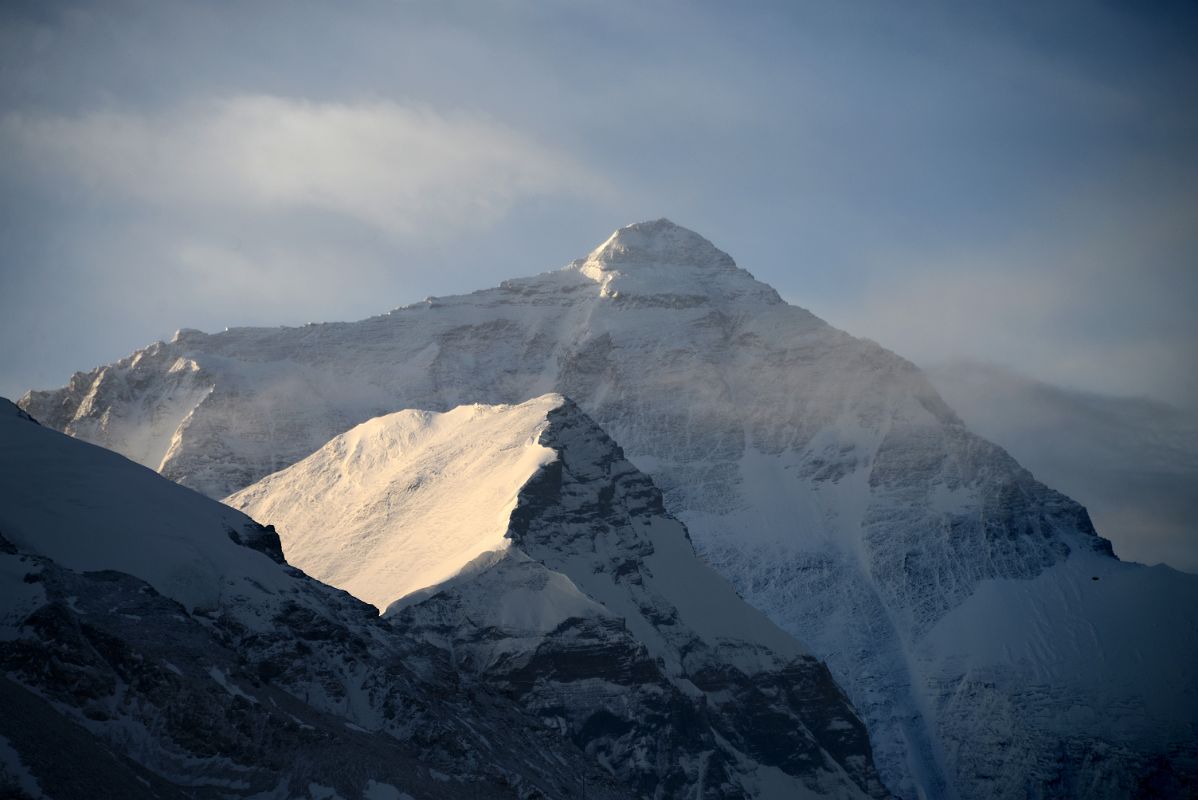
(588,604)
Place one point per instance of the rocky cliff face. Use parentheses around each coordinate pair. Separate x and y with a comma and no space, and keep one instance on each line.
(821,474)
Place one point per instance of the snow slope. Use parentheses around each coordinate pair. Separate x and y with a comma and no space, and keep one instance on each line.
(165,535)
(401,502)
(819,473)
(585,552)
(1090,645)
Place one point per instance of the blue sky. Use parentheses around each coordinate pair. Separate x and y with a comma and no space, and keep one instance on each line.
(1011,182)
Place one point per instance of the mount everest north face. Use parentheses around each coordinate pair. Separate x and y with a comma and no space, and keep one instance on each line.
(983,630)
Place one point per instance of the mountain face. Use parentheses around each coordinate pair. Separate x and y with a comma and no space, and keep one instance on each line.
(155,645)
(586,603)
(821,474)
(1132,461)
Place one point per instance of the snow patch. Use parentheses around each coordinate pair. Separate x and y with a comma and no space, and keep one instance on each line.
(384,791)
(223,681)
(14,772)
(318,791)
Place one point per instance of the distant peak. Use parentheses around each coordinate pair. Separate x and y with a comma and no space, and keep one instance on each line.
(658,243)
(661,264)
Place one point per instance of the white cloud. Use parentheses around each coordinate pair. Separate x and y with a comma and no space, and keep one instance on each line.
(407,172)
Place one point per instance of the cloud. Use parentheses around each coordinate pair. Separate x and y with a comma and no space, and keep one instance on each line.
(1058,326)
(1095,292)
(406,172)
(122,226)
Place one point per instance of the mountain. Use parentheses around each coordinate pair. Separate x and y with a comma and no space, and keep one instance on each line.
(1133,461)
(821,474)
(155,645)
(519,539)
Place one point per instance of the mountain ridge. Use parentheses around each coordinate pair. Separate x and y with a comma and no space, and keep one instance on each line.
(593,608)
(821,474)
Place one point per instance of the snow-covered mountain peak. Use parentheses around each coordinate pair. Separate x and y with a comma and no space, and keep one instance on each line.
(658,243)
(658,263)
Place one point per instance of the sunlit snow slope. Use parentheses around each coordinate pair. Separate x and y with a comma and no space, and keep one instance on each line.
(821,474)
(402,502)
(520,539)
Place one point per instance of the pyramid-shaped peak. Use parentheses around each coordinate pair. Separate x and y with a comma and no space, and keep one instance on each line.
(659,243)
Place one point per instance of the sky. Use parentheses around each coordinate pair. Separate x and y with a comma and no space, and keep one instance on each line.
(1010,182)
